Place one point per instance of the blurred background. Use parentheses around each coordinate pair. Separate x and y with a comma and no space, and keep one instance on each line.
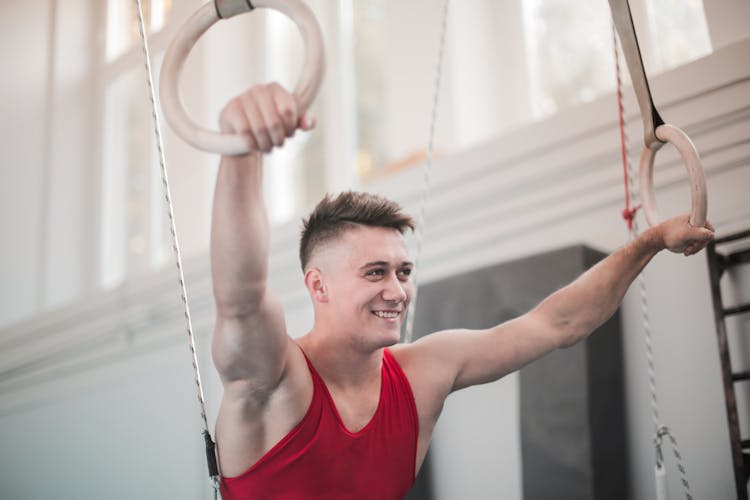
(96,392)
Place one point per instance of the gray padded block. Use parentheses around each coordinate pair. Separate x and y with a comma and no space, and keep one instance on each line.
(572,411)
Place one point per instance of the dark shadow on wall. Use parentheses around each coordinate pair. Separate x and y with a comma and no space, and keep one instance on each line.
(572,403)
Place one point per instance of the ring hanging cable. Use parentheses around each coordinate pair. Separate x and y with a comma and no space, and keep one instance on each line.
(426,183)
(213,469)
(660,430)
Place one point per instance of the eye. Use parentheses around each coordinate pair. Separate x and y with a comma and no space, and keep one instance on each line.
(375,272)
(405,273)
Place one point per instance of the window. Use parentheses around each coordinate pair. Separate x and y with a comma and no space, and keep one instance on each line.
(295,175)
(122,23)
(505,64)
(370,24)
(569,46)
(134,227)
(679,32)
(133,237)
(569,52)
(395,47)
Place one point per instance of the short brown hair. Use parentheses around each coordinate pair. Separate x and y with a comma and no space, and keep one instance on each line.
(333,215)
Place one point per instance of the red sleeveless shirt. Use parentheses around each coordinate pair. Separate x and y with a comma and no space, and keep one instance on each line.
(321,459)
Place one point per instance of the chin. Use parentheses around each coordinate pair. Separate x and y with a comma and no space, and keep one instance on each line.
(392,337)
(379,338)
(377,333)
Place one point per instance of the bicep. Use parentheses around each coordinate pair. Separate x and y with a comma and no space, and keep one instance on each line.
(472,357)
(252,347)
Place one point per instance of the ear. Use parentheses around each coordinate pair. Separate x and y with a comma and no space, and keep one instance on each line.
(315,283)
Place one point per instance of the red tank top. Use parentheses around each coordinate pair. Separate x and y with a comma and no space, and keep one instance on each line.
(321,459)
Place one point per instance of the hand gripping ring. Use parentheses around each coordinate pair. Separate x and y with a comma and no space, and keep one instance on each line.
(188,35)
(685,147)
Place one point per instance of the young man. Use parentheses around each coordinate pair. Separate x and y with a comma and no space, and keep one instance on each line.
(344,412)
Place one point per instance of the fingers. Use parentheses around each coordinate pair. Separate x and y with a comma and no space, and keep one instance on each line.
(705,235)
(707,224)
(286,106)
(681,237)
(700,241)
(234,120)
(691,249)
(307,122)
(267,114)
(252,104)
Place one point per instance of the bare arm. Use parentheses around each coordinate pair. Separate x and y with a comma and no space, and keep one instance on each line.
(561,320)
(250,341)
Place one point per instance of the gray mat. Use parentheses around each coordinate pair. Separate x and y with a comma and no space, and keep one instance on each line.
(572,411)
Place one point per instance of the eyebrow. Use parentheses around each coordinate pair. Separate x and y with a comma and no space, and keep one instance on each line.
(382,263)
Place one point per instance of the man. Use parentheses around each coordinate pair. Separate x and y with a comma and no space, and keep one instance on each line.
(344,412)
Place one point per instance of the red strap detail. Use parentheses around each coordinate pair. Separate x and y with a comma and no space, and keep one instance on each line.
(627,213)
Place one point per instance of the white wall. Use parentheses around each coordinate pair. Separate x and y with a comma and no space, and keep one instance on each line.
(97,398)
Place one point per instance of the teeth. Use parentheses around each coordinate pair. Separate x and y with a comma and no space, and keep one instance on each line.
(384,314)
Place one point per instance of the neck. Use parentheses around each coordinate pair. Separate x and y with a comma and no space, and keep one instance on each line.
(340,363)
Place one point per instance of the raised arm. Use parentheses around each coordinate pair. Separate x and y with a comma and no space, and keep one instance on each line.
(574,312)
(250,341)
(564,318)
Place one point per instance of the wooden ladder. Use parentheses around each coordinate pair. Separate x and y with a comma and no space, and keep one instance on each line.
(718,263)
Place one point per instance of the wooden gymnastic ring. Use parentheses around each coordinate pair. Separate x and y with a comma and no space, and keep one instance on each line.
(686,148)
(174,59)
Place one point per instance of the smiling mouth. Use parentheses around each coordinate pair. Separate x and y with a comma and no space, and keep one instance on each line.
(387,314)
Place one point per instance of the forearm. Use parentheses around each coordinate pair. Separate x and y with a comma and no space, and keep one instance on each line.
(239,235)
(578,309)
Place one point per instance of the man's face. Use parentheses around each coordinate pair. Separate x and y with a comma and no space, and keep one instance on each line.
(367,274)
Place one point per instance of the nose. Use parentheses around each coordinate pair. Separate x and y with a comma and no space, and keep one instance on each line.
(395,290)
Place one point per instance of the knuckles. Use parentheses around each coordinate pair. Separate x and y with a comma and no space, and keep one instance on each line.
(278,131)
(268,112)
(288,114)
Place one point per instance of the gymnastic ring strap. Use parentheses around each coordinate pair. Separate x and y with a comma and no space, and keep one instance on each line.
(174,60)
(692,162)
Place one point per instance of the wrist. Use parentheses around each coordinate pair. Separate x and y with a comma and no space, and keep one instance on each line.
(653,239)
(243,160)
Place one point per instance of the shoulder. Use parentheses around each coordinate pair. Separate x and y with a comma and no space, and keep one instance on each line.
(430,379)
(429,352)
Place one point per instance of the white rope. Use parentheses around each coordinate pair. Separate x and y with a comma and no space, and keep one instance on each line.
(426,183)
(172,227)
(660,430)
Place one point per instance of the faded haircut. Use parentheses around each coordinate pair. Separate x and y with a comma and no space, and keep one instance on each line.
(334,215)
